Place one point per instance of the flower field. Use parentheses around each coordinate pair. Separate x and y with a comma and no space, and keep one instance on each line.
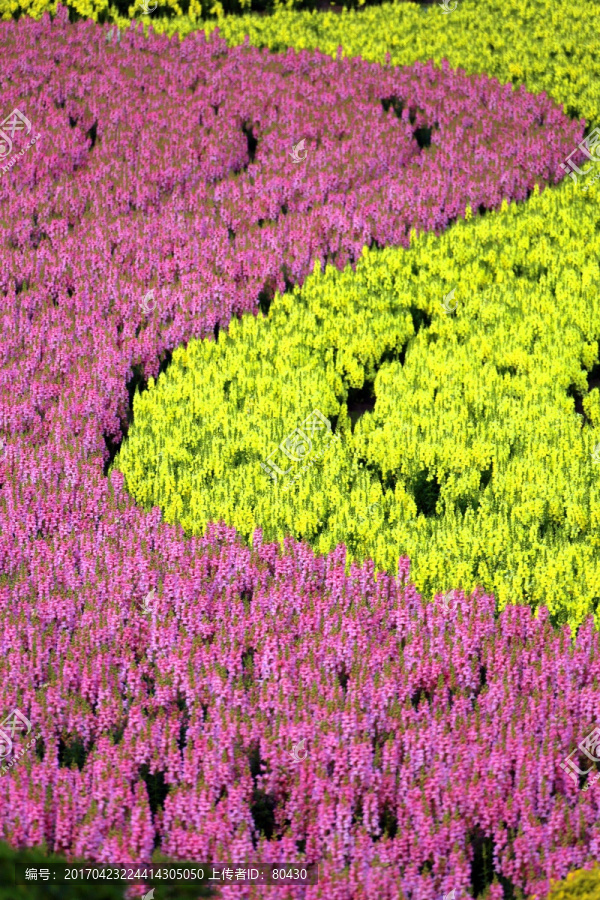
(300,446)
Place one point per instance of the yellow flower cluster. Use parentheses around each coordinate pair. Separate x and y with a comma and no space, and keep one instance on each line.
(225,407)
(581,885)
(482,469)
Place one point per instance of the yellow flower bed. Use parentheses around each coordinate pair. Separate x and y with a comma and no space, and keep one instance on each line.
(482,470)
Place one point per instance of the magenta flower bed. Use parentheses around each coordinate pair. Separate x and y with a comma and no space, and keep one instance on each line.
(423,731)
(137,181)
(172,125)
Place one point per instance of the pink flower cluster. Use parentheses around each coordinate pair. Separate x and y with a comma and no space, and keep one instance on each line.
(424,735)
(193,130)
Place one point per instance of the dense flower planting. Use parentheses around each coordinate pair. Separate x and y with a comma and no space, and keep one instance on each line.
(434,740)
(480,451)
(546,45)
(386,150)
(444,736)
